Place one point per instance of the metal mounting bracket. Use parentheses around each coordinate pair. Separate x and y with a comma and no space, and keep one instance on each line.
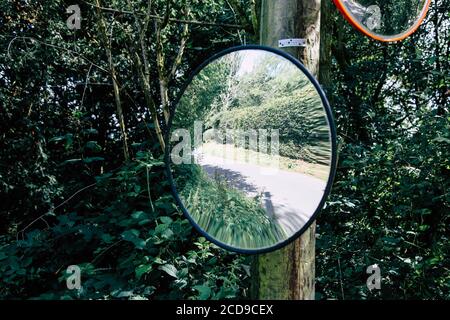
(285,43)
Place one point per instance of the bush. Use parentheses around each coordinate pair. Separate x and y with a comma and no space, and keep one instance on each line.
(300,117)
(126,246)
(226,213)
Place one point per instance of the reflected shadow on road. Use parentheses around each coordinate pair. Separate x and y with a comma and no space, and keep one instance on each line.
(290,219)
(233,178)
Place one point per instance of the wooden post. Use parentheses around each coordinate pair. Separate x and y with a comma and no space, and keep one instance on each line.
(326,39)
(289,273)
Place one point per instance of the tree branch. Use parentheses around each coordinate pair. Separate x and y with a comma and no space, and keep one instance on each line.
(107,44)
(182,47)
(156,17)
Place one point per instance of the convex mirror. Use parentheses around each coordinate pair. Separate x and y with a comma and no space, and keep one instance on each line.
(251,149)
(385,20)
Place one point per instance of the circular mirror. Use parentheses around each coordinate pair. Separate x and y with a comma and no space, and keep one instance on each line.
(385,20)
(251,149)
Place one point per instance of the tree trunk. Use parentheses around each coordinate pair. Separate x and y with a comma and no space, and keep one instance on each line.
(326,40)
(119,111)
(289,273)
(284,19)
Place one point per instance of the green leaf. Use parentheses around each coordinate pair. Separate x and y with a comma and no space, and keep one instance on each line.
(107,238)
(390,240)
(167,233)
(142,269)
(170,270)
(93,159)
(158,260)
(204,292)
(93,146)
(133,237)
(161,228)
(442,139)
(71,161)
(166,220)
(139,215)
(91,132)
(130,235)
(124,294)
(57,139)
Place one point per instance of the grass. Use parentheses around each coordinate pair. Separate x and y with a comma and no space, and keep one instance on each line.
(225,213)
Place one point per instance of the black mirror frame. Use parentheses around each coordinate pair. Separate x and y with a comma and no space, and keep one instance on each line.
(333,139)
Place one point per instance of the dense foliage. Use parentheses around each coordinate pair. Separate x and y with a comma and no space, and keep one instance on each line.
(68,197)
(390,202)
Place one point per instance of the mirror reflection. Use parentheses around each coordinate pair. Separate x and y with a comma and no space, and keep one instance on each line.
(251,149)
(386,19)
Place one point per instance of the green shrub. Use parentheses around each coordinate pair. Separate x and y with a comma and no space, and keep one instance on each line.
(227,213)
(125,249)
(299,117)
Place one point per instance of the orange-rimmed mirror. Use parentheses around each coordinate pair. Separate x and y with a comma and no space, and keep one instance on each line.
(385,20)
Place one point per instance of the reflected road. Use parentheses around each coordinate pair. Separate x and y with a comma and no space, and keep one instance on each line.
(290,197)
